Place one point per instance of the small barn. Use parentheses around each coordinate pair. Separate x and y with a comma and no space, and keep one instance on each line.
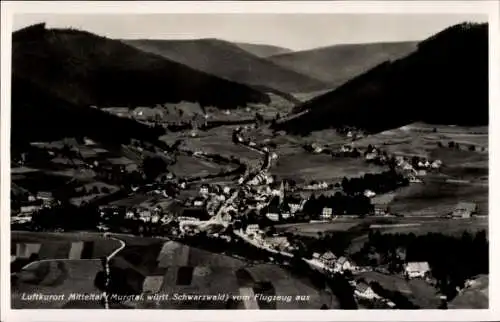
(464,210)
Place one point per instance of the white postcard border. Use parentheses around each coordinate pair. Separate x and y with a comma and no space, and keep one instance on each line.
(491,8)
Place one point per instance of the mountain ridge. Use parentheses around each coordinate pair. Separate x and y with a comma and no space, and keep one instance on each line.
(229,61)
(88,69)
(337,64)
(439,83)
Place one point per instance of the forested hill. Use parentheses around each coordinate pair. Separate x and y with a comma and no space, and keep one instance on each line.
(228,60)
(38,115)
(445,81)
(86,69)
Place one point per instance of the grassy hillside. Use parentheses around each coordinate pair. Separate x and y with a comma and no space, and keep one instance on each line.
(337,64)
(86,69)
(224,59)
(444,82)
(263,50)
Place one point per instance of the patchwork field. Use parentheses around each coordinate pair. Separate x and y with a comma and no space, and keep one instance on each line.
(218,141)
(304,166)
(60,278)
(59,245)
(439,198)
(417,291)
(312,229)
(474,297)
(187,166)
(420,139)
(172,267)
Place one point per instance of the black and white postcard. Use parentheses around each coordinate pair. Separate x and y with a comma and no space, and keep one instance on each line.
(284,161)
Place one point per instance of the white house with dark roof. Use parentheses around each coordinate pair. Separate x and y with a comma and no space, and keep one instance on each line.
(326,213)
(416,269)
(364,290)
(328,258)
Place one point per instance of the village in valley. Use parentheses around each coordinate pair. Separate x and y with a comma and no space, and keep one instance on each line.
(394,219)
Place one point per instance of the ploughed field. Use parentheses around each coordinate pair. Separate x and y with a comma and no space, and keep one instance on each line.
(58,264)
(182,269)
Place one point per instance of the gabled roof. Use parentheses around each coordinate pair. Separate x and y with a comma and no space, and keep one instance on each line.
(342,260)
(362,287)
(466,206)
(328,256)
(418,266)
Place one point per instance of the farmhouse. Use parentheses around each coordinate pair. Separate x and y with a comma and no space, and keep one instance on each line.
(364,290)
(328,258)
(279,242)
(436,164)
(316,148)
(343,264)
(416,269)
(369,193)
(326,213)
(252,229)
(346,148)
(198,202)
(46,196)
(273,216)
(204,189)
(29,209)
(464,210)
(381,203)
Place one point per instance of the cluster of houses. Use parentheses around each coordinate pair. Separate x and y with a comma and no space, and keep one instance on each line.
(336,265)
(262,178)
(464,210)
(418,168)
(314,185)
(279,243)
(282,206)
(30,204)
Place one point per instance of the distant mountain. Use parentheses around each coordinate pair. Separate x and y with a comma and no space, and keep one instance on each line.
(337,64)
(86,69)
(227,60)
(445,81)
(263,50)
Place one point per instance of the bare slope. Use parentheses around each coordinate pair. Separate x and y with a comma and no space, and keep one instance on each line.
(227,60)
(337,64)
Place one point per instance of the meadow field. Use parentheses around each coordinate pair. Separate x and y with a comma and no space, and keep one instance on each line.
(304,167)
(187,166)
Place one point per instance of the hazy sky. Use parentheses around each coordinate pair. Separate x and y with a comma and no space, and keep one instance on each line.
(294,31)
